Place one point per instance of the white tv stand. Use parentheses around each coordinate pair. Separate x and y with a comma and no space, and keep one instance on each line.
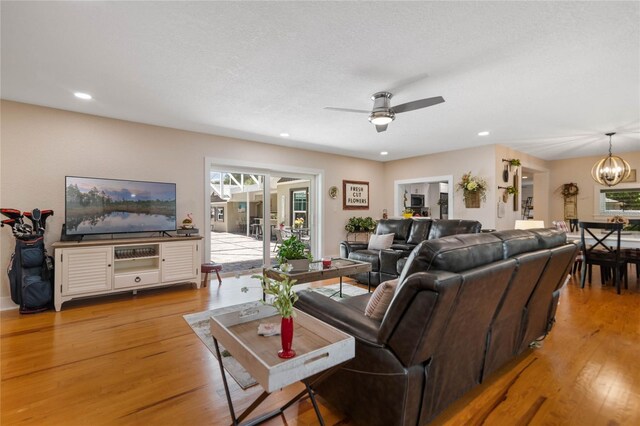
(93,268)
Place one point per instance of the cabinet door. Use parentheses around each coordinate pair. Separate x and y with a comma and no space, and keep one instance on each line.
(86,270)
(179,261)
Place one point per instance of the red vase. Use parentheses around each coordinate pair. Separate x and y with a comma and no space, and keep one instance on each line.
(286,337)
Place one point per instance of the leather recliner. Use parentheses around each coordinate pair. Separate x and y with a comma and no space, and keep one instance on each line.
(465,305)
(408,233)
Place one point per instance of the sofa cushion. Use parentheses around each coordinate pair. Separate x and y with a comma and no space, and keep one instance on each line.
(517,241)
(380,300)
(445,227)
(419,231)
(371,256)
(380,241)
(549,238)
(400,227)
(403,247)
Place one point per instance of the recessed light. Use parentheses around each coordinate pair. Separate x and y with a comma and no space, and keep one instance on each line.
(525,177)
(483,134)
(81,95)
(285,135)
(384,153)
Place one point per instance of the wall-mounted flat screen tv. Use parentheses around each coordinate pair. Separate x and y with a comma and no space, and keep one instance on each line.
(111,206)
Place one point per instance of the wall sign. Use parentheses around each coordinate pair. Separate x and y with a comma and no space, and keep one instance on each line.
(355,195)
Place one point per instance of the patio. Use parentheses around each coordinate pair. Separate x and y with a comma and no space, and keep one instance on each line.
(237,252)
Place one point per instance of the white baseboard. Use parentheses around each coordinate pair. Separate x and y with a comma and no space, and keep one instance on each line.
(6,303)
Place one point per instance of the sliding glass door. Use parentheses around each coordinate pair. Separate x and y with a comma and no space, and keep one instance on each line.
(252,210)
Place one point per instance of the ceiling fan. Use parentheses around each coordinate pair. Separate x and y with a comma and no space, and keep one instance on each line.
(383,114)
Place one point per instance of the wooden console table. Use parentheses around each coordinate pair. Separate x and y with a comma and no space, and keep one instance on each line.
(97,267)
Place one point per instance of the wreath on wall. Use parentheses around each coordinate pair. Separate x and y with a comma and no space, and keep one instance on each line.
(570,190)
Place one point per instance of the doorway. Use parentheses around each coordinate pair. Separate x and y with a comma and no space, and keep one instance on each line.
(252,209)
(425,196)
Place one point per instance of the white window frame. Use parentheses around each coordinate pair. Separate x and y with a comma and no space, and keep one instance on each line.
(600,213)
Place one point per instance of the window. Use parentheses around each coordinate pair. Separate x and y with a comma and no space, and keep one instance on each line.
(623,201)
(220,213)
(299,205)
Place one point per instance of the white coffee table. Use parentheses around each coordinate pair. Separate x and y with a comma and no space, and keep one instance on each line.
(319,348)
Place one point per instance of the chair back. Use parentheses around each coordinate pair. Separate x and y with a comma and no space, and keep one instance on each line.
(610,234)
(278,234)
(561,225)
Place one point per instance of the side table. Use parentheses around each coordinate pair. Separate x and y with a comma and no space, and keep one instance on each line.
(320,348)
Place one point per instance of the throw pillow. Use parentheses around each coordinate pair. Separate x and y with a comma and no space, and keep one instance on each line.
(381,299)
(380,242)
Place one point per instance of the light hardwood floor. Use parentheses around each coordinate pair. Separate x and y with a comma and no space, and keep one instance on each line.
(131,360)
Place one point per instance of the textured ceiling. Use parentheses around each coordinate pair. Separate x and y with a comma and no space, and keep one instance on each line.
(546,78)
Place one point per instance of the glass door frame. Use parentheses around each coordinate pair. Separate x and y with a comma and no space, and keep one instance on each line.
(315,177)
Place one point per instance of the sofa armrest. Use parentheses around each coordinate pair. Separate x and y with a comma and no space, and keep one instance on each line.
(347,247)
(339,315)
(389,260)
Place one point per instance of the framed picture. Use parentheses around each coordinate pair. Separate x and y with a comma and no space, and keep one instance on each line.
(355,195)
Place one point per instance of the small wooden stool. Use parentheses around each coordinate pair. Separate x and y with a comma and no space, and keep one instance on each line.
(211,267)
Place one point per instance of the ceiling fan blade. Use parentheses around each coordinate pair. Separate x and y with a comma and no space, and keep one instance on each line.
(381,128)
(422,103)
(347,110)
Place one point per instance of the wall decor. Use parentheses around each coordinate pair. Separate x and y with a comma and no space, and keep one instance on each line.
(570,193)
(355,195)
(516,184)
(473,190)
(333,192)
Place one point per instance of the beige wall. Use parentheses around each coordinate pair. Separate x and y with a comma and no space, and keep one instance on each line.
(480,161)
(540,187)
(578,170)
(40,146)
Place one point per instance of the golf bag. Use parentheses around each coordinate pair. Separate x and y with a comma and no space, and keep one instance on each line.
(29,277)
(30,269)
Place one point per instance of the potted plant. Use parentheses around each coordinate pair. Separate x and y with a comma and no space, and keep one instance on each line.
(283,298)
(294,252)
(473,190)
(360,224)
(407,212)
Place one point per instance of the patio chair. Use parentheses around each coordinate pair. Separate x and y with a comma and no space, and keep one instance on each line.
(278,234)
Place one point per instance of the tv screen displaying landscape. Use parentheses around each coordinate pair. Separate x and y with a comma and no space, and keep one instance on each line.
(111,206)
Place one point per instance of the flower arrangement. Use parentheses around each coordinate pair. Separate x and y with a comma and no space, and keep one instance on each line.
(298,223)
(282,291)
(618,219)
(471,185)
(511,190)
(569,190)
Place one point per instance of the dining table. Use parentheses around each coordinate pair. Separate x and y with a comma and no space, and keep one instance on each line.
(628,239)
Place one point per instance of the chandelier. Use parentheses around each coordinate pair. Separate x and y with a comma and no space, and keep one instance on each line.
(611,170)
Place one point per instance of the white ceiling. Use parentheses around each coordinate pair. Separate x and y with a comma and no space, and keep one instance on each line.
(546,78)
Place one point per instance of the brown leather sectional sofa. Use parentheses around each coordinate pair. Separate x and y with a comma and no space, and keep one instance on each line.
(408,233)
(465,305)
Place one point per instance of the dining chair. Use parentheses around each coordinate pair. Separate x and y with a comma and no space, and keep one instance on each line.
(632,256)
(573,225)
(561,225)
(605,252)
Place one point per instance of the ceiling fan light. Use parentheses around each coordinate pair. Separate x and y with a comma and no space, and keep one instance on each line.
(380,118)
(611,170)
